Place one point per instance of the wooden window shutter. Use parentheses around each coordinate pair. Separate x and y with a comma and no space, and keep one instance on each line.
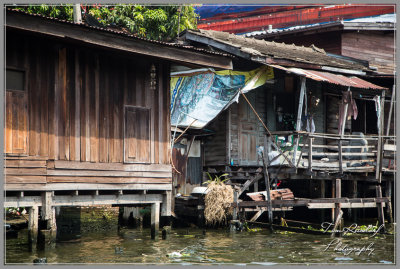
(137,135)
(16,131)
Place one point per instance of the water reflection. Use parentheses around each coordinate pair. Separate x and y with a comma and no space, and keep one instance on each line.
(193,247)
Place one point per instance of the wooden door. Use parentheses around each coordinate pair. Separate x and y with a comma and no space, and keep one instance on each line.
(16,129)
(247,131)
(137,135)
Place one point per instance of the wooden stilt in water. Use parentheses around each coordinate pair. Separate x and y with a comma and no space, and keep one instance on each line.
(155,220)
(333,196)
(322,195)
(267,183)
(389,212)
(381,216)
(338,209)
(235,211)
(337,225)
(352,213)
(33,226)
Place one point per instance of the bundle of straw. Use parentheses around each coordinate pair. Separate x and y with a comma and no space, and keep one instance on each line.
(218,202)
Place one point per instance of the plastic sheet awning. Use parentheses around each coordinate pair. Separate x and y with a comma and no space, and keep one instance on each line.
(341,80)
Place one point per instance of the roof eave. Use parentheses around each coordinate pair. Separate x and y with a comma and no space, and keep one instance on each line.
(97,37)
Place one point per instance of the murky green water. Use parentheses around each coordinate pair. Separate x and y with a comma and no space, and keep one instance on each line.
(191,246)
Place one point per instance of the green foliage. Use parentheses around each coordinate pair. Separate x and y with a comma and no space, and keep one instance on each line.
(153,22)
(62,11)
(217,179)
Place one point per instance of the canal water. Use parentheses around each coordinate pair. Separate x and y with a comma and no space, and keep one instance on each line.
(193,246)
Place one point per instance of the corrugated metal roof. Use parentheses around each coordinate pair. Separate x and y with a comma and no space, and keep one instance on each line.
(341,80)
(121,33)
(381,19)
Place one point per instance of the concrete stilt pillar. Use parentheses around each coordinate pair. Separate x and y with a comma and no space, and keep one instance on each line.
(33,226)
(47,237)
(155,220)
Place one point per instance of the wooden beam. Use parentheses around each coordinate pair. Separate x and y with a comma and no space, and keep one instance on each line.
(267,184)
(299,113)
(379,153)
(390,110)
(217,44)
(389,196)
(248,183)
(310,153)
(381,215)
(257,215)
(112,166)
(86,186)
(106,39)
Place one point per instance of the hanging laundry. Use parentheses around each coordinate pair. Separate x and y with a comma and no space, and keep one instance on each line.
(310,125)
(377,100)
(352,110)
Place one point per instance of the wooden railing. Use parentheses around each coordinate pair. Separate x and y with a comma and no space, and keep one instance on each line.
(343,153)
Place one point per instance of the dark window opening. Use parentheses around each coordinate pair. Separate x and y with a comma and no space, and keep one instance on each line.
(15,80)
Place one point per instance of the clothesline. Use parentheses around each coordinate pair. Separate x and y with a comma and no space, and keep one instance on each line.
(359,98)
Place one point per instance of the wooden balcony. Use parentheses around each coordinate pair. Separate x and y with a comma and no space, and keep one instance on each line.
(331,152)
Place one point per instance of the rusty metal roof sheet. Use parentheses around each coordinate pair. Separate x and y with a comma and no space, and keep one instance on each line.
(332,78)
(121,33)
(255,47)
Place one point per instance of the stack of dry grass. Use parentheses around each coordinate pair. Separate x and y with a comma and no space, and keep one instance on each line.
(218,202)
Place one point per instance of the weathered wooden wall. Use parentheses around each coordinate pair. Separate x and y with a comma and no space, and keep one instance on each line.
(377,47)
(238,132)
(215,146)
(85,106)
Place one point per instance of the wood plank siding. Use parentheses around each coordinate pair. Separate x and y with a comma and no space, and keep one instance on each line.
(86,115)
(238,132)
(376,47)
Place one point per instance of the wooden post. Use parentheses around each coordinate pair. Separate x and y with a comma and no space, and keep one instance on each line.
(235,211)
(338,194)
(389,204)
(390,110)
(333,196)
(299,113)
(346,106)
(338,224)
(353,212)
(310,142)
(379,154)
(33,226)
(155,220)
(322,195)
(267,184)
(340,156)
(381,216)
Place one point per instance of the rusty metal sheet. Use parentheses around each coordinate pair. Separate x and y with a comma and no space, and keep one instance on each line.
(353,81)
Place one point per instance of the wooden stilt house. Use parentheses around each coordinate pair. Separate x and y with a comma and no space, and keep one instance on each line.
(294,122)
(87,115)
